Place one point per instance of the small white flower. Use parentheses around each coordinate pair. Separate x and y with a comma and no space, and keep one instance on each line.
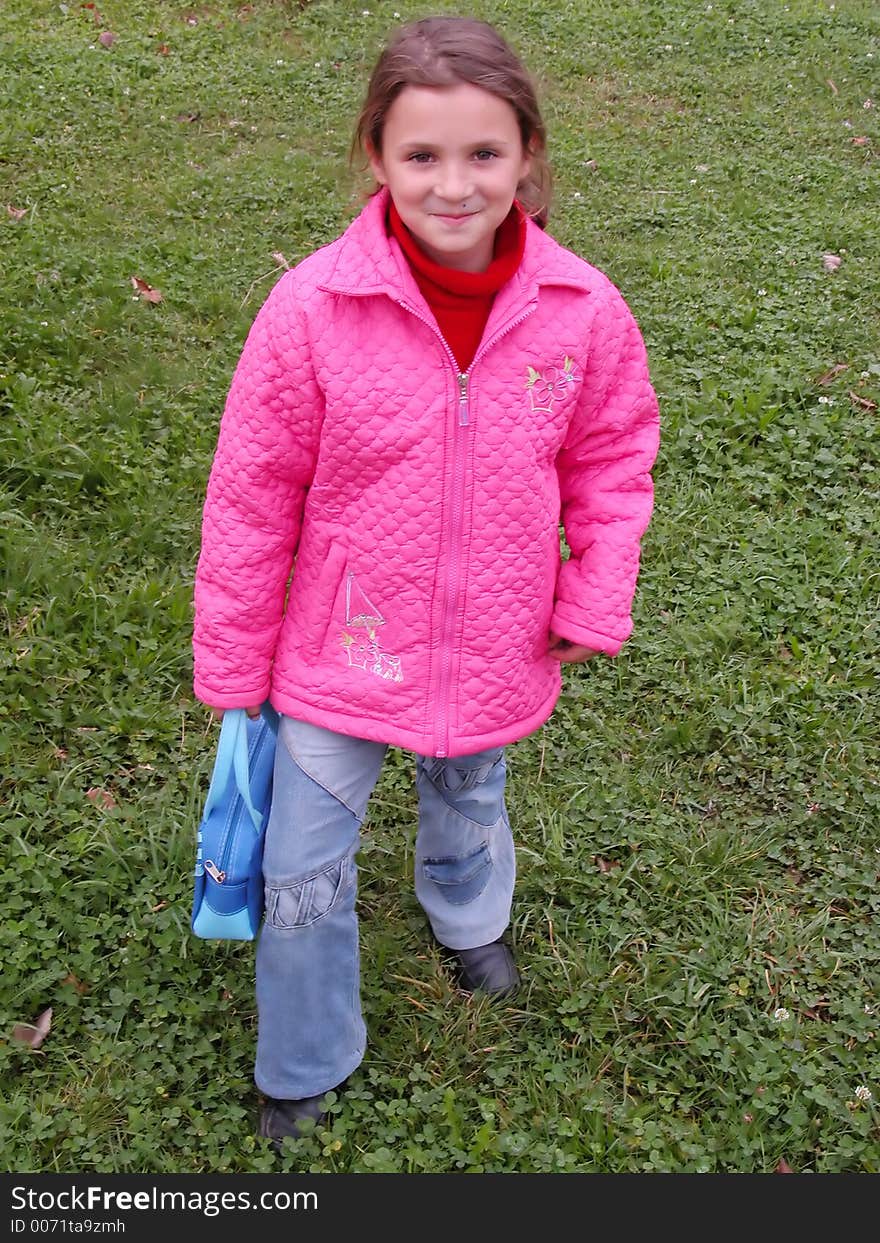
(762,293)
(826,401)
(317,64)
(365,13)
(781,1015)
(279,62)
(395,15)
(577,194)
(863,1093)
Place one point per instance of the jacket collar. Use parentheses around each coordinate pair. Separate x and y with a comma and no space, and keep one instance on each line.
(367,261)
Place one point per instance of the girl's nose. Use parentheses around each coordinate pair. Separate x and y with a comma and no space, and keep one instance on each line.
(454,185)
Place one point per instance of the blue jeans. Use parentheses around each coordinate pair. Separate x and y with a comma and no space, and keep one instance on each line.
(311,1031)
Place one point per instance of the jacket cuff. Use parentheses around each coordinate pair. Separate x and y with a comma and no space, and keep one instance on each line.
(230,699)
(586,637)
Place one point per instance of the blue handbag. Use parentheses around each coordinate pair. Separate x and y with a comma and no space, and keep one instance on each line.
(228,898)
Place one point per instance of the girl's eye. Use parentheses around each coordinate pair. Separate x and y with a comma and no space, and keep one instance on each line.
(419,157)
(484,156)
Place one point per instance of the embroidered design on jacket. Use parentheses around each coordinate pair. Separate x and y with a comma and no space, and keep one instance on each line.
(364,650)
(545,387)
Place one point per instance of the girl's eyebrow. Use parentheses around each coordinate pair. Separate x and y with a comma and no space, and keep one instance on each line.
(413,144)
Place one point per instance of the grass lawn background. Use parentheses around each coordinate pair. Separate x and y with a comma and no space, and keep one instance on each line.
(697,825)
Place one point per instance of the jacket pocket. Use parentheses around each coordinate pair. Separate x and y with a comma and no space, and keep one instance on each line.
(315,601)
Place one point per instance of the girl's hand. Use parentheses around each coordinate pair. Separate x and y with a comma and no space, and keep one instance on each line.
(253,712)
(567,652)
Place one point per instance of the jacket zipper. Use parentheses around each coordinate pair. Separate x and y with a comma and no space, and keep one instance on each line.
(453,577)
(217,871)
(453,574)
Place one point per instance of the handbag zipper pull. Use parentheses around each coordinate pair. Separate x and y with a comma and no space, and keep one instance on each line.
(214,872)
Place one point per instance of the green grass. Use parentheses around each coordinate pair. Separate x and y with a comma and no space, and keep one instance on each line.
(698,822)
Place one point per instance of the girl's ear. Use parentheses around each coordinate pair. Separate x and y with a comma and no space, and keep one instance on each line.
(526,166)
(375,161)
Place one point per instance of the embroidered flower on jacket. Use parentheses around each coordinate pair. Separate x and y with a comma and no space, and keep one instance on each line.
(364,651)
(545,387)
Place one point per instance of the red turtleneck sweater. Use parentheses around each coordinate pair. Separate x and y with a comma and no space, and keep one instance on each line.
(461,301)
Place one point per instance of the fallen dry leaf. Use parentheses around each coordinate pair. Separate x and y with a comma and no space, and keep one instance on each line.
(831,373)
(163,49)
(606,865)
(864,403)
(106,38)
(188,117)
(831,262)
(76,983)
(16,212)
(147,292)
(834,90)
(860,141)
(34,1033)
(279,259)
(783,1167)
(104,797)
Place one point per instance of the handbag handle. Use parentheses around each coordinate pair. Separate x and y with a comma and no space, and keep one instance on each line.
(232,757)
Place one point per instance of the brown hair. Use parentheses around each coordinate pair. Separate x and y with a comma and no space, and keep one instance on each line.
(444,51)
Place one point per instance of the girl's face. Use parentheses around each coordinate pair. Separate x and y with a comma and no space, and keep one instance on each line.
(452,158)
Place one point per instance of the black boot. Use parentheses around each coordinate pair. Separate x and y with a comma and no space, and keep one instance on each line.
(488,969)
(280,1119)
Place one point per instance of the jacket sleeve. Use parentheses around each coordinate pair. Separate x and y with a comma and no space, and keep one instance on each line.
(264,463)
(606,491)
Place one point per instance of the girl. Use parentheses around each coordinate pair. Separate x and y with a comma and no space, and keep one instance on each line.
(416,407)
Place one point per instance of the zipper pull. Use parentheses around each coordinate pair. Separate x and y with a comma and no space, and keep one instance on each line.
(214,872)
(462,400)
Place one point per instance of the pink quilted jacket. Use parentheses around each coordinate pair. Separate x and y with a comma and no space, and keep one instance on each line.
(418,508)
